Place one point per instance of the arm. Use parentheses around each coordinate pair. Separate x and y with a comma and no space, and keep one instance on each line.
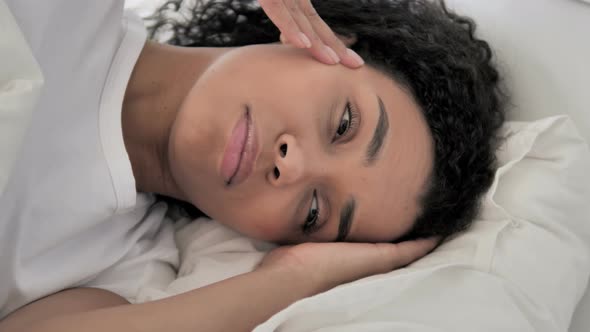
(286,275)
(235,304)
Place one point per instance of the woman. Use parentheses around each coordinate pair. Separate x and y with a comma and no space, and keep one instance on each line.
(262,138)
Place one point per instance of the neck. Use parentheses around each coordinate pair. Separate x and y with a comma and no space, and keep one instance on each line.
(161,78)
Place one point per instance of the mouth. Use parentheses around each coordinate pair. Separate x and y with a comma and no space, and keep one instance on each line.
(240,152)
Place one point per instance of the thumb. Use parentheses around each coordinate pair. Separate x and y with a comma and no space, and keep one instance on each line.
(396,255)
(283,39)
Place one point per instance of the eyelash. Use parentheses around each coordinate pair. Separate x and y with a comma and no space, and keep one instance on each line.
(311,221)
(353,122)
(310,224)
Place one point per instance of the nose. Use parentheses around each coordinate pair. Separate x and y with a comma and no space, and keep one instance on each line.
(288,162)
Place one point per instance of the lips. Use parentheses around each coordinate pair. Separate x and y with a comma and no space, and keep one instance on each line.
(240,152)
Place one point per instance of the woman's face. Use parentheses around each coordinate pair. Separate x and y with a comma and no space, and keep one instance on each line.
(334,153)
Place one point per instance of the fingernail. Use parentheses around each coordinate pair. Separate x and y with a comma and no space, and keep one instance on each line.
(357,58)
(330,52)
(304,40)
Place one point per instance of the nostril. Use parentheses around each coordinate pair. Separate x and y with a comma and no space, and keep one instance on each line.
(277,172)
(283,150)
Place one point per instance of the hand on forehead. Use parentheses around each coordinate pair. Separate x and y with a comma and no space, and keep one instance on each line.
(302,27)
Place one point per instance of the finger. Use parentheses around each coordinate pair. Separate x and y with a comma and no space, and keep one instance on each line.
(357,260)
(308,18)
(404,253)
(279,14)
(301,14)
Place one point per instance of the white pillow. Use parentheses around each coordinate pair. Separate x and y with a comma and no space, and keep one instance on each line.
(544,49)
(523,266)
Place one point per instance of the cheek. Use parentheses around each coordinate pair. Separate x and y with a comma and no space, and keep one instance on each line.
(190,168)
(259,217)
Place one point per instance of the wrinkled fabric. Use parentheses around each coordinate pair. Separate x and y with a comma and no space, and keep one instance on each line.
(21,82)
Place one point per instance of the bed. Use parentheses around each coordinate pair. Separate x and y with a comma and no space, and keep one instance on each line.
(545,46)
(525,264)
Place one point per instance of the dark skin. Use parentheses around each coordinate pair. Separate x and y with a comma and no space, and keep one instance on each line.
(193,121)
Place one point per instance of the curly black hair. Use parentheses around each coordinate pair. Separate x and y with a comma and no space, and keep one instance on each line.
(423,46)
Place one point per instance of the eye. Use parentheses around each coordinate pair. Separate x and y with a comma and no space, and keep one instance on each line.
(349,123)
(344,121)
(311,221)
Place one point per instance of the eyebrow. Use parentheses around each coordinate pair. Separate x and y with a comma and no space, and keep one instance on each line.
(373,149)
(381,130)
(346,216)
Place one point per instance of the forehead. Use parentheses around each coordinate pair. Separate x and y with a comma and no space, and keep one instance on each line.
(388,192)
